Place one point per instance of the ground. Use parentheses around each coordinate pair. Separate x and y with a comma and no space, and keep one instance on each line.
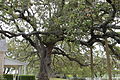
(57,79)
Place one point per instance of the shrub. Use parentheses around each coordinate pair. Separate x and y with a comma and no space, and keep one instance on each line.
(77,78)
(8,76)
(1,77)
(25,77)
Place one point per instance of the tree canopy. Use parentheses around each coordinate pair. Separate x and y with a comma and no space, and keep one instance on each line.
(63,27)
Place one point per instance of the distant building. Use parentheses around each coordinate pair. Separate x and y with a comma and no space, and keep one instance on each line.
(7,62)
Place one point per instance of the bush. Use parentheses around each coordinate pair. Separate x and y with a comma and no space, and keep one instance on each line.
(20,77)
(77,78)
(8,76)
(25,77)
(1,77)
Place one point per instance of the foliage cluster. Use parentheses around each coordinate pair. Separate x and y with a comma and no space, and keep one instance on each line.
(25,77)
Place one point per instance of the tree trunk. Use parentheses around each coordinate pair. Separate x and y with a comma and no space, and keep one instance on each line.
(108,59)
(45,63)
(91,65)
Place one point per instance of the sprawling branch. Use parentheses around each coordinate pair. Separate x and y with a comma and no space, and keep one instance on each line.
(61,52)
(111,18)
(27,35)
(30,40)
(114,26)
(90,42)
(108,26)
(11,34)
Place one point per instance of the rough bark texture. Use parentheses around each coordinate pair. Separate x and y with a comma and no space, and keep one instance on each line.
(108,59)
(91,65)
(45,63)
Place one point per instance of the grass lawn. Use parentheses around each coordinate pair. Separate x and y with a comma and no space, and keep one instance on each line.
(57,79)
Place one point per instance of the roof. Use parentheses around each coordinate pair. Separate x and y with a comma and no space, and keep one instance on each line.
(3,45)
(12,62)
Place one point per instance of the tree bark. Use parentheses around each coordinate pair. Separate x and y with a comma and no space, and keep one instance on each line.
(108,59)
(91,65)
(45,63)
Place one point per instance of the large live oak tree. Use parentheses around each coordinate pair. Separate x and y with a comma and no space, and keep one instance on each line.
(44,23)
(38,23)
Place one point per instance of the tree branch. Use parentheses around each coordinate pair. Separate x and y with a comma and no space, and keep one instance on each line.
(111,18)
(11,34)
(61,52)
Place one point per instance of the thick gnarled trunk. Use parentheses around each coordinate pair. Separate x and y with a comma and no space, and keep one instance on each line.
(45,62)
(44,69)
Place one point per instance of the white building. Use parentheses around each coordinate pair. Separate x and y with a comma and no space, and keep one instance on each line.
(20,67)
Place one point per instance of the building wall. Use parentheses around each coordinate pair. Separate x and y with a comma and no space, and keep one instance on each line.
(1,62)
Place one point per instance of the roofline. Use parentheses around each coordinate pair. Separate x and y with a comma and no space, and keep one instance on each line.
(17,61)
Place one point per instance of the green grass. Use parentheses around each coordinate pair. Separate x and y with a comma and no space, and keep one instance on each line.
(57,79)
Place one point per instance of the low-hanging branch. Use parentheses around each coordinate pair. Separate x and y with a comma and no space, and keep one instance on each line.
(11,34)
(61,52)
